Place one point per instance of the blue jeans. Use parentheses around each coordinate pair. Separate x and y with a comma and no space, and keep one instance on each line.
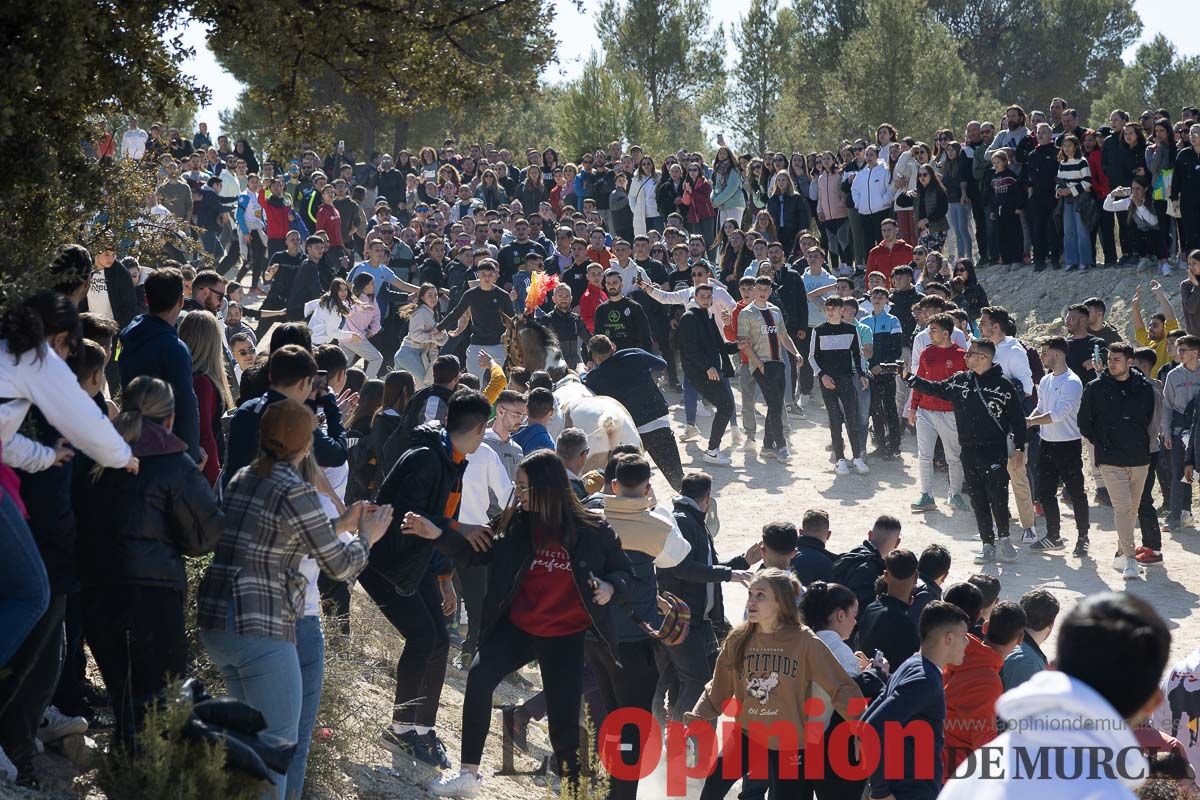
(264,673)
(690,398)
(24,587)
(212,244)
(1077,239)
(960,217)
(864,414)
(1181,493)
(310,649)
(496,351)
(412,359)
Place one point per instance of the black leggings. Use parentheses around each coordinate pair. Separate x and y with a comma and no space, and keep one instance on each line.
(988,489)
(507,649)
(799,788)
(660,445)
(421,669)
(885,419)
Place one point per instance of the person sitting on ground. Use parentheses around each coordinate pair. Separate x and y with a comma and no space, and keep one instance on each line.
(1027,660)
(812,561)
(933,567)
(973,687)
(859,568)
(883,625)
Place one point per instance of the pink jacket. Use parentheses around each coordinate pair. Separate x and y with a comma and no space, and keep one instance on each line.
(363,319)
(830,200)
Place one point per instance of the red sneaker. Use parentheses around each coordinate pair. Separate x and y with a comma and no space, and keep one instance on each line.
(1148,556)
(1038,510)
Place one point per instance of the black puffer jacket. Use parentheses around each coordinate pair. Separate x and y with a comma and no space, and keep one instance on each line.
(987,408)
(422,481)
(135,529)
(596,551)
(1115,417)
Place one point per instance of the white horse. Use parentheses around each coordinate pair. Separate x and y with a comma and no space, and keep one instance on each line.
(604,420)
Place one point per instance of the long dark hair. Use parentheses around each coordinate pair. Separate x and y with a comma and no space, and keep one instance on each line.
(398,388)
(27,325)
(821,601)
(552,507)
(369,398)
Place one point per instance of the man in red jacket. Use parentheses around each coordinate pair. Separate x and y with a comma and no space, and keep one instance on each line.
(890,252)
(934,418)
(973,686)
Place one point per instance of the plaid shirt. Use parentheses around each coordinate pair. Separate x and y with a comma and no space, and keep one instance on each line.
(270,524)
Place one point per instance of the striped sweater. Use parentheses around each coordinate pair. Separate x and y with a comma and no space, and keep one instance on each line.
(1075,175)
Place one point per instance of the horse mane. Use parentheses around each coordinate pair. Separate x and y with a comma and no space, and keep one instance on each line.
(546,334)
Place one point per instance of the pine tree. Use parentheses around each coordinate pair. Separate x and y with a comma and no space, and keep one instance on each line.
(760,40)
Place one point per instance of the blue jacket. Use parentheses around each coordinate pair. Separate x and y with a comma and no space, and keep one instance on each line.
(329,442)
(914,693)
(149,346)
(627,375)
(532,437)
(812,561)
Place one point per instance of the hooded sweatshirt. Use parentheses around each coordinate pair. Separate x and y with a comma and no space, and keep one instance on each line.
(972,689)
(650,539)
(1055,723)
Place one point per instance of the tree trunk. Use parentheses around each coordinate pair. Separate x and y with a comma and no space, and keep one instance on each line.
(399,135)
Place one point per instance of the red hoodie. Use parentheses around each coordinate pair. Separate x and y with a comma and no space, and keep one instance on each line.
(937,364)
(972,689)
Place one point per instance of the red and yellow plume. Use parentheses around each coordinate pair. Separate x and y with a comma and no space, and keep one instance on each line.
(540,287)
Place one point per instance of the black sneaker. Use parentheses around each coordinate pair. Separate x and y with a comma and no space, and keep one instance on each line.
(1047,544)
(437,749)
(516,723)
(1081,548)
(1039,266)
(411,744)
(1101,498)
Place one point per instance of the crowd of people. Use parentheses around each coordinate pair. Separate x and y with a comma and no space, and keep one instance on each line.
(371,431)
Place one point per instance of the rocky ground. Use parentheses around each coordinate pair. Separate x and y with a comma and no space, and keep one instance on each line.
(755,492)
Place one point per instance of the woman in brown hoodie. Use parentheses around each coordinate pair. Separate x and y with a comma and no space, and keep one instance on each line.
(768,665)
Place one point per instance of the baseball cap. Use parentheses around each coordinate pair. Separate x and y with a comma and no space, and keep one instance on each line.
(286,429)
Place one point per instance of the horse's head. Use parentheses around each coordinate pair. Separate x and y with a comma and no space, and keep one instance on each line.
(539,347)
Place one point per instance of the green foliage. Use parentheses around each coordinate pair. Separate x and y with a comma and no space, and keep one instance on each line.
(1159,77)
(669,44)
(1029,52)
(164,765)
(66,68)
(762,40)
(598,107)
(905,71)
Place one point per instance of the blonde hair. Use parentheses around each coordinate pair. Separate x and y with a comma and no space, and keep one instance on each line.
(145,398)
(786,588)
(201,332)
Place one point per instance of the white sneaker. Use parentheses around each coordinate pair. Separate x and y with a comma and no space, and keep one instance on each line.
(748,444)
(767,453)
(689,432)
(737,436)
(55,725)
(703,410)
(1186,519)
(8,770)
(1166,268)
(717,458)
(842,467)
(1131,571)
(461,784)
(1030,536)
(861,467)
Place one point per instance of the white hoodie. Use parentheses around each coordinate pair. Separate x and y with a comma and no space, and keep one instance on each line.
(1053,710)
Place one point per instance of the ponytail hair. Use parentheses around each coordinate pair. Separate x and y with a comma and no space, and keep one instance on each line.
(820,602)
(27,325)
(145,398)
